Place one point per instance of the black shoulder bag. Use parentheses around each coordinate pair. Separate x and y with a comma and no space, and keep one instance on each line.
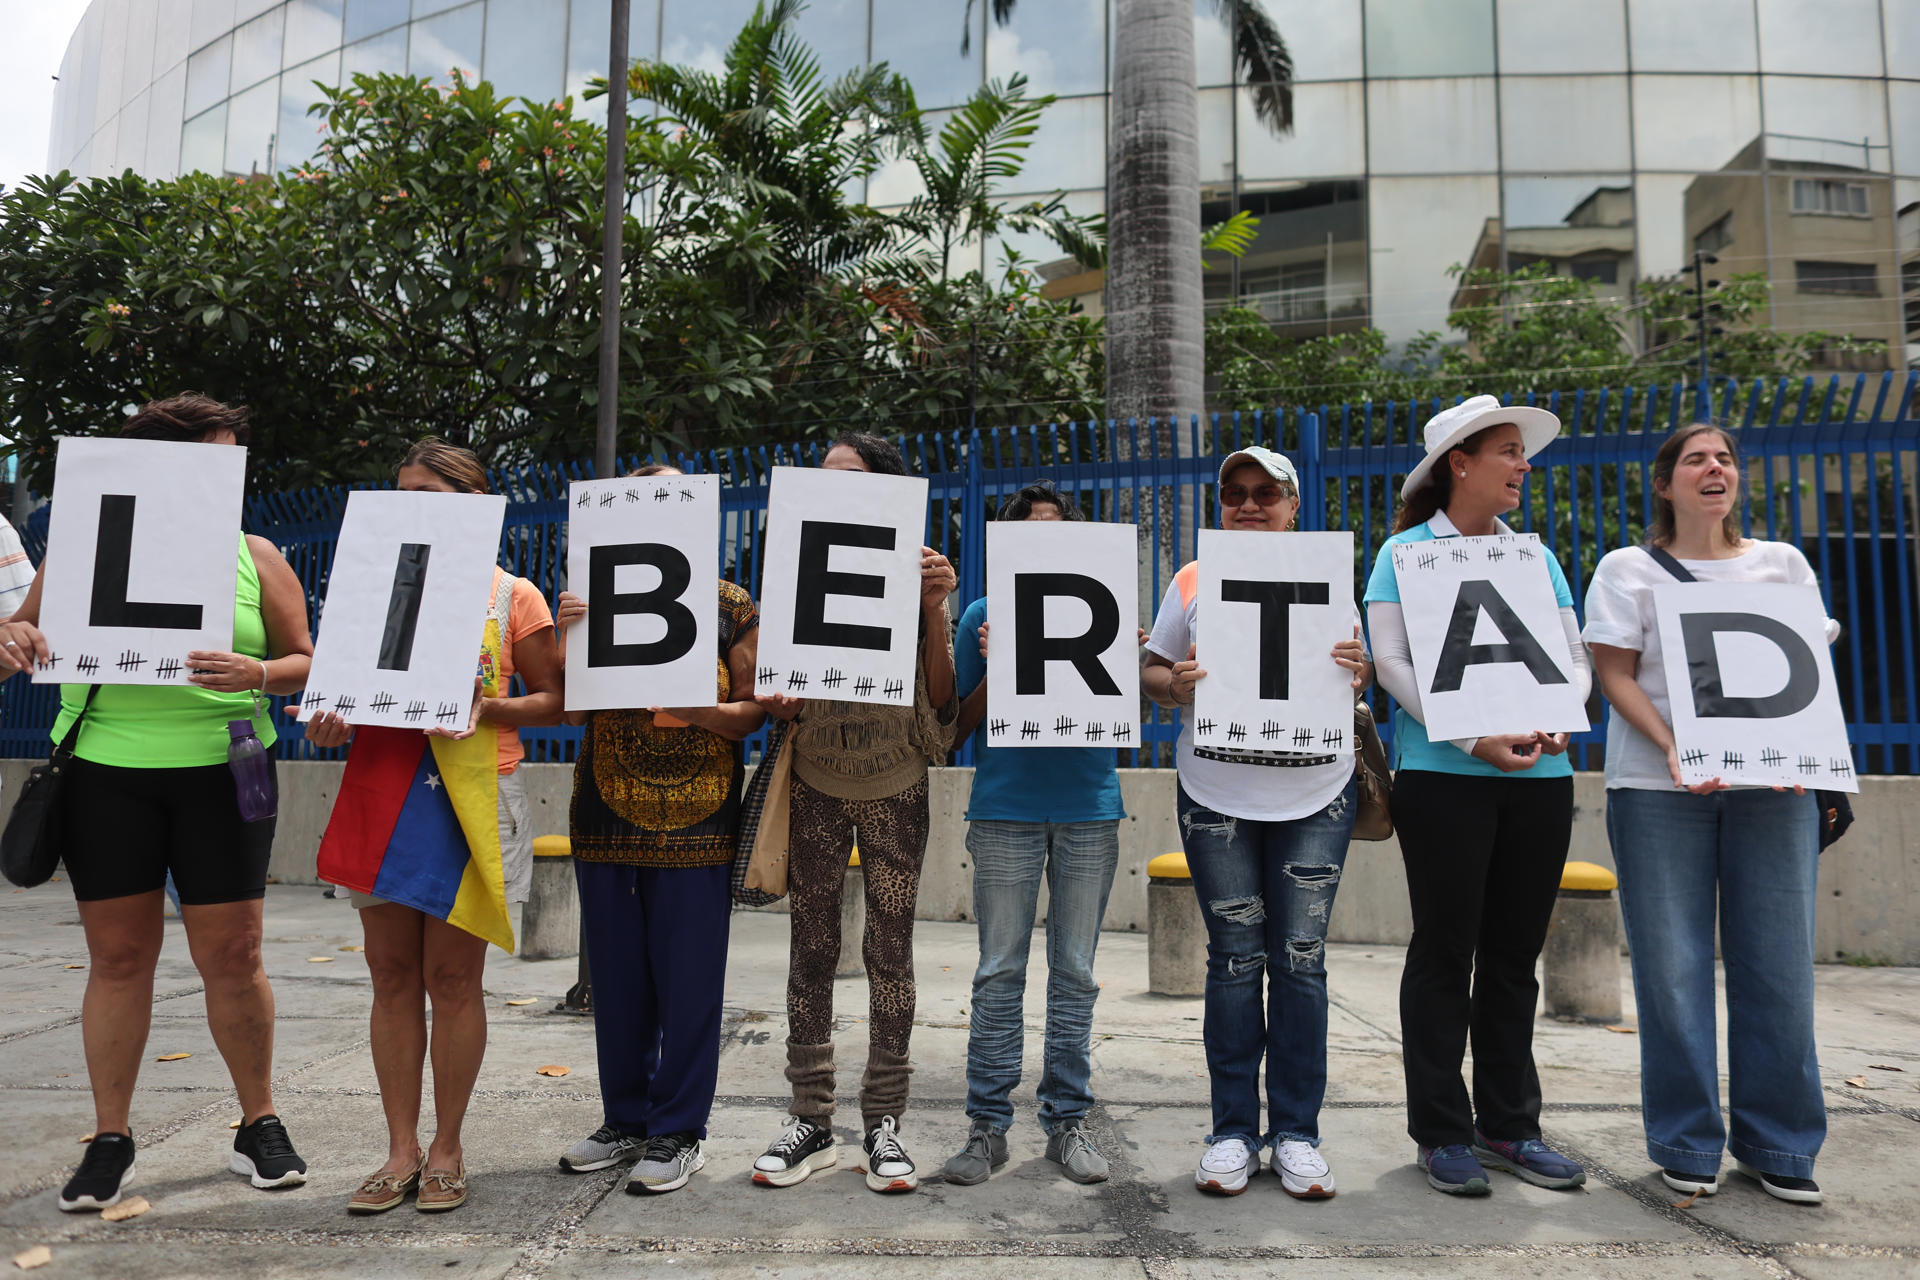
(1836,811)
(30,846)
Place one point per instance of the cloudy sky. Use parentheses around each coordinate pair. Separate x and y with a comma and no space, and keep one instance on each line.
(33,39)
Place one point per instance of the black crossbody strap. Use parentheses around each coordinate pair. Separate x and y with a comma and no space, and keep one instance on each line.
(1666,561)
(72,734)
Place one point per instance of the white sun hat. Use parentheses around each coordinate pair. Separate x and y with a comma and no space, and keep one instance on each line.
(1450,426)
(1274,464)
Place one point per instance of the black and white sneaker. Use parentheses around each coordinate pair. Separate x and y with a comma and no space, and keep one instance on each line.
(263,1151)
(803,1148)
(670,1159)
(104,1172)
(889,1168)
(1782,1187)
(1691,1184)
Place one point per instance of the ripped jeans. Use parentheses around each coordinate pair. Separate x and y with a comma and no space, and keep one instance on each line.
(1266,892)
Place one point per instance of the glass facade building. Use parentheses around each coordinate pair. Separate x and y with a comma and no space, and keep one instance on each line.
(1607,138)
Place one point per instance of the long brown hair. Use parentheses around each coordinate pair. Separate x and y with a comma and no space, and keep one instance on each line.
(457,466)
(1432,497)
(1661,531)
(188,417)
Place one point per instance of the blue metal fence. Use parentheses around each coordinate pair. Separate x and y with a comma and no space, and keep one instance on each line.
(1833,468)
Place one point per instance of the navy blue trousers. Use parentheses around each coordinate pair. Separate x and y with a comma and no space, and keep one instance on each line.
(657,952)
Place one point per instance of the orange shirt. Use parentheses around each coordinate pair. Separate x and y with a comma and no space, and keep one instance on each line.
(526,616)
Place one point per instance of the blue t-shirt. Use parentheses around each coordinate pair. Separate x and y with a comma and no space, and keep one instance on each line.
(1030,784)
(1412,749)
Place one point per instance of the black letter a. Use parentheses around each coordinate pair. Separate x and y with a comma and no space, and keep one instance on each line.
(1458,651)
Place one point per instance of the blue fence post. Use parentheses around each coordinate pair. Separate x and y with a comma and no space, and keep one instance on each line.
(1313,501)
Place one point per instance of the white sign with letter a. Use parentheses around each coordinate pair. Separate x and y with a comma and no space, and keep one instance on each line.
(406,612)
(1271,607)
(644,553)
(840,593)
(143,553)
(1750,685)
(1484,627)
(1063,666)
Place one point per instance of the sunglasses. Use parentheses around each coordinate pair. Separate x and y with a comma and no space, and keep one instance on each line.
(1267,495)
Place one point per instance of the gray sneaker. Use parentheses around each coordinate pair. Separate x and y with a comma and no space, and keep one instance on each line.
(986,1150)
(1071,1149)
(670,1160)
(602,1149)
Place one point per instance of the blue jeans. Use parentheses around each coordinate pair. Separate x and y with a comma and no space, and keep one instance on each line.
(1266,892)
(1754,855)
(1079,859)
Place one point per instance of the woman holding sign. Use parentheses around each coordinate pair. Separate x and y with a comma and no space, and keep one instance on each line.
(860,766)
(1484,826)
(414,956)
(1684,853)
(655,820)
(1266,835)
(151,792)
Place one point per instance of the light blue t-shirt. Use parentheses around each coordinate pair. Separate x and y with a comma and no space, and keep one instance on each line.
(1412,749)
(1030,784)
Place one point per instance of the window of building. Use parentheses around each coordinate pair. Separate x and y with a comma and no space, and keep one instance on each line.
(1836,277)
(1717,236)
(1826,196)
(1598,270)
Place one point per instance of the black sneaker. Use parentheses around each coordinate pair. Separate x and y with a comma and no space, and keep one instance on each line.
(104,1172)
(889,1167)
(1779,1185)
(263,1151)
(802,1148)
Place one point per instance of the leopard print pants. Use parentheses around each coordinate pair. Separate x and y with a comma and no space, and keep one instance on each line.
(893,840)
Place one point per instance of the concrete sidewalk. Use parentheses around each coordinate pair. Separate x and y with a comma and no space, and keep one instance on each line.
(526,1218)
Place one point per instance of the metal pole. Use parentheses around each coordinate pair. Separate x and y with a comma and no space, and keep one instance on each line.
(579,997)
(606,424)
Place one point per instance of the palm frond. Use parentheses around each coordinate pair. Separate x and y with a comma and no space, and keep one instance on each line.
(1264,62)
(1232,237)
(1002,14)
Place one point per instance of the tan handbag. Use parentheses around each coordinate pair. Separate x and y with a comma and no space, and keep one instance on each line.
(1372,820)
(767,866)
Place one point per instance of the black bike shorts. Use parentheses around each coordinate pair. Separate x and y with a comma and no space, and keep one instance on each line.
(123,829)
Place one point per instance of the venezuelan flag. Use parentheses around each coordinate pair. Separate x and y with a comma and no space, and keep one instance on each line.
(417,823)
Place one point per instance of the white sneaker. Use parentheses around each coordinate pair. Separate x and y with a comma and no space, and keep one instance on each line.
(1226,1166)
(889,1168)
(1304,1174)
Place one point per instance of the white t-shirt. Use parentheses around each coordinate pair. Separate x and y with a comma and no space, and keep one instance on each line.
(1620,613)
(1262,786)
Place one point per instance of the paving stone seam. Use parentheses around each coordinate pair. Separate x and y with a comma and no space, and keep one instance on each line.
(574,1092)
(1874,1105)
(1662,1204)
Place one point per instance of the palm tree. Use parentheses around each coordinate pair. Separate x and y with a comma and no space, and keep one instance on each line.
(1155,314)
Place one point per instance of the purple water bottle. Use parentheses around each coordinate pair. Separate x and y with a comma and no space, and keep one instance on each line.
(252,777)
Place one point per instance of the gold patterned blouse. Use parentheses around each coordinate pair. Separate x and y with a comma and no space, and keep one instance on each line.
(653,796)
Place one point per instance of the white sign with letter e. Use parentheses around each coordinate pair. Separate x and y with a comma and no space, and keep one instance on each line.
(1750,685)
(1484,627)
(1271,606)
(644,553)
(143,553)
(840,593)
(406,612)
(1063,664)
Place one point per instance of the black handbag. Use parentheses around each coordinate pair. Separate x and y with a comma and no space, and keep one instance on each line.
(1836,811)
(31,844)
